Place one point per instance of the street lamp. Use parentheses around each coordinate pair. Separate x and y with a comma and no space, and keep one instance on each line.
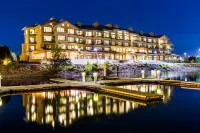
(185,54)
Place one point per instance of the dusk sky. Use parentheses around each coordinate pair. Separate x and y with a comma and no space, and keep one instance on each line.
(178,19)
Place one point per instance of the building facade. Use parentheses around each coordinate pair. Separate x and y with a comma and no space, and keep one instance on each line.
(93,42)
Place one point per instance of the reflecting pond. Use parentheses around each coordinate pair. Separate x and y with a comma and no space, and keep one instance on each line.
(84,111)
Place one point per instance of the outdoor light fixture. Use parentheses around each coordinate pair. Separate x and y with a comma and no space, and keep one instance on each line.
(95,49)
(155,52)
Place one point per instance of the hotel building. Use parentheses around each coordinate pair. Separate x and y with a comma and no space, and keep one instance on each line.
(95,41)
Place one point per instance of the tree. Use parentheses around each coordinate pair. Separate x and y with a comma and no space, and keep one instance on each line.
(95,24)
(141,32)
(130,29)
(58,61)
(116,26)
(109,25)
(79,23)
(151,34)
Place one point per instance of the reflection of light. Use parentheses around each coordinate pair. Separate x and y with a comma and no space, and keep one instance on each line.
(96,97)
(158,91)
(62,117)
(84,94)
(78,105)
(142,89)
(33,118)
(49,118)
(53,124)
(185,78)
(1,103)
(63,100)
(49,109)
(73,114)
(90,103)
(32,108)
(33,100)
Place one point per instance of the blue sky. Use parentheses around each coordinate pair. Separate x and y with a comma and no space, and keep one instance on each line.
(178,19)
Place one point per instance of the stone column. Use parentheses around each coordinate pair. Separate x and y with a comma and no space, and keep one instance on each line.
(83,77)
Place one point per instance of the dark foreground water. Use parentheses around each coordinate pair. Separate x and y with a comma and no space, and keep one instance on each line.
(81,111)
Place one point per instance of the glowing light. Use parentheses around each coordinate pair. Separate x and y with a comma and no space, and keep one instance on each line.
(6,61)
(159,91)
(96,97)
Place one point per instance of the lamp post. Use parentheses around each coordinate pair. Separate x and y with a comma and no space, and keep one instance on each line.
(185,54)
(83,77)
(95,75)
(142,72)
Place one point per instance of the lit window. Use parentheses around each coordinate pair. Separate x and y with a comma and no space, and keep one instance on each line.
(98,34)
(70,39)
(149,51)
(70,31)
(48,46)
(88,48)
(47,38)
(32,40)
(98,41)
(113,42)
(79,32)
(106,34)
(149,40)
(88,41)
(161,46)
(88,33)
(47,29)
(62,46)
(113,35)
(32,48)
(119,43)
(59,29)
(125,44)
(32,31)
(107,49)
(79,40)
(106,42)
(61,37)
(144,39)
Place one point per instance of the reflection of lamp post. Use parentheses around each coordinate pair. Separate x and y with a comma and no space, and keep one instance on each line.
(95,75)
(0,80)
(83,77)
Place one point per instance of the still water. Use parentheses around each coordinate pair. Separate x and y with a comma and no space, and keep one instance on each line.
(83,111)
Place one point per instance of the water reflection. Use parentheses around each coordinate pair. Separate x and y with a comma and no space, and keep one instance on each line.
(166,91)
(65,107)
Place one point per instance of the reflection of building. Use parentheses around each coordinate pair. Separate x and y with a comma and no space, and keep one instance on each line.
(166,91)
(93,42)
(63,107)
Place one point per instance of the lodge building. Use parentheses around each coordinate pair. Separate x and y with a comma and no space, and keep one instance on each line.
(95,41)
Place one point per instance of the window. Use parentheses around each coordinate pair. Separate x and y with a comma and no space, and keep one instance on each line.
(98,34)
(139,45)
(32,40)
(47,29)
(149,51)
(149,46)
(144,39)
(107,49)
(154,46)
(70,31)
(113,35)
(47,38)
(98,41)
(125,44)
(72,47)
(106,42)
(32,31)
(126,36)
(61,38)
(79,32)
(62,46)
(88,48)
(120,36)
(59,29)
(88,41)
(70,39)
(88,33)
(119,43)
(79,40)
(113,42)
(32,48)
(154,40)
(161,46)
(48,46)
(106,34)
(149,40)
